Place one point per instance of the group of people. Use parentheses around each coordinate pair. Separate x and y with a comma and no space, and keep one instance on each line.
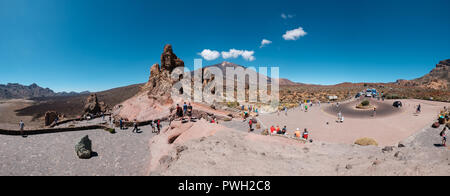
(155,124)
(283,131)
(186,110)
(278,130)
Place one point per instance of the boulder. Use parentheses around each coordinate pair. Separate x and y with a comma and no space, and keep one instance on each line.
(84,148)
(50,117)
(387,149)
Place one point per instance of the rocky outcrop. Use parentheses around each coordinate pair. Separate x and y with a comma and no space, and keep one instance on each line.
(160,82)
(84,148)
(438,78)
(93,106)
(50,117)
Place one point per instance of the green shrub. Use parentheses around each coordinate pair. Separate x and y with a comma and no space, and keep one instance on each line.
(110,130)
(365,103)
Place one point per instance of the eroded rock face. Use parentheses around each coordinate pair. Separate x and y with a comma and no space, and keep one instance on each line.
(160,82)
(93,106)
(50,117)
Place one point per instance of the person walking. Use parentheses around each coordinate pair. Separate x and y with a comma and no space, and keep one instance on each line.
(158,126)
(419,109)
(250,124)
(21,125)
(121,124)
(374,112)
(444,136)
(135,126)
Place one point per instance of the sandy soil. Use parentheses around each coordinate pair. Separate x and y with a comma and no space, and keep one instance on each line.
(386,130)
(238,153)
(9,118)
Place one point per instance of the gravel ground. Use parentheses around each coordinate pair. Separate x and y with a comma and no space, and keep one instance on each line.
(123,153)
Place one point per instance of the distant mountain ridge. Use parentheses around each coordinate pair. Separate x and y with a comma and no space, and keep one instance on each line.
(222,66)
(18,91)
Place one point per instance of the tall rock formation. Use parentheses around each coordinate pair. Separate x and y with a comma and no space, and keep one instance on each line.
(160,82)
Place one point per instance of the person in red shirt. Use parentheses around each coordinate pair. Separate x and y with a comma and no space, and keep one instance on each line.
(305,134)
(278,129)
(272,129)
(250,123)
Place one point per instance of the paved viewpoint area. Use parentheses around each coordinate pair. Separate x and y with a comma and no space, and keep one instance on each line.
(387,128)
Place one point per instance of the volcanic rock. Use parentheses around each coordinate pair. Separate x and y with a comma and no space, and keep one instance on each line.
(50,117)
(84,148)
(160,82)
(93,106)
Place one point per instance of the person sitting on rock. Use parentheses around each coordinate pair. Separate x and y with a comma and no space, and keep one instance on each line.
(272,129)
(297,133)
(305,134)
(284,130)
(278,129)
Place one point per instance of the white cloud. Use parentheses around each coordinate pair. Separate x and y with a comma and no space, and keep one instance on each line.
(233,53)
(265,42)
(294,34)
(209,55)
(286,16)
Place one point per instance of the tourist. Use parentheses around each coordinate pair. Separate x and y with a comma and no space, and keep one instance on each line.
(340,117)
(285,111)
(158,125)
(179,111)
(135,125)
(419,108)
(272,129)
(278,130)
(297,133)
(152,126)
(374,111)
(305,134)
(21,125)
(444,136)
(250,124)
(185,108)
(121,124)
(284,130)
(306,108)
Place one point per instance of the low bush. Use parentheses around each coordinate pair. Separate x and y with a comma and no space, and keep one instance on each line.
(366,142)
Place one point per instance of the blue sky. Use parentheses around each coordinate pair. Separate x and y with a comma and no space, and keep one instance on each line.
(77,45)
